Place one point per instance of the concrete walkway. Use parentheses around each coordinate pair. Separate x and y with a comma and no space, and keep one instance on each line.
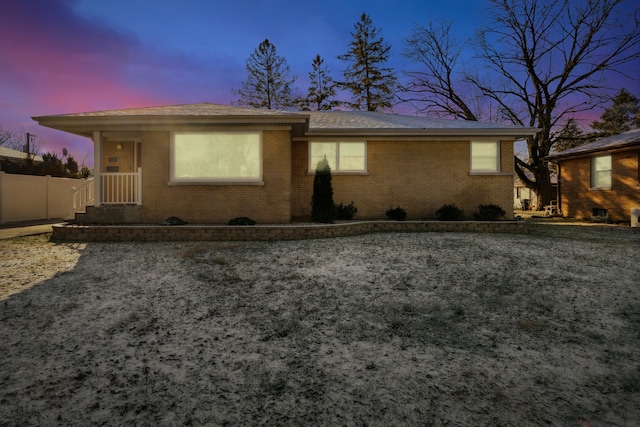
(30,228)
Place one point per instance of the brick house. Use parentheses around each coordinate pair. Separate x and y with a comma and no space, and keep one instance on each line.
(10,157)
(208,163)
(602,178)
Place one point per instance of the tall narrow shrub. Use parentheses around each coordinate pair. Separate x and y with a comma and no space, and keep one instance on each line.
(322,207)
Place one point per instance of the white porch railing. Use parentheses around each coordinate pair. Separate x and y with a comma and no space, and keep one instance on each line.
(82,196)
(122,188)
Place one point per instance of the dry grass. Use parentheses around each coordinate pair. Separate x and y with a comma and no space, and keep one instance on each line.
(388,329)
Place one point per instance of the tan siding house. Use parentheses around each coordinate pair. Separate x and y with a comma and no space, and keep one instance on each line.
(602,178)
(209,163)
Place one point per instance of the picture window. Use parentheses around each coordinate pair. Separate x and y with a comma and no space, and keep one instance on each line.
(216,157)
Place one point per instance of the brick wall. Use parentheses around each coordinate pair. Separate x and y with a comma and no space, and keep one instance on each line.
(122,158)
(579,200)
(268,203)
(417,176)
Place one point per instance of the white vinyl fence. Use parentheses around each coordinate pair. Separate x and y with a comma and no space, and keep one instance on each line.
(32,198)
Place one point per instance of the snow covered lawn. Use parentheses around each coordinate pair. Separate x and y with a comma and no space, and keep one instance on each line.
(381,329)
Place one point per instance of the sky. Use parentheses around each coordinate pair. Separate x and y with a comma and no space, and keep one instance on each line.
(70,56)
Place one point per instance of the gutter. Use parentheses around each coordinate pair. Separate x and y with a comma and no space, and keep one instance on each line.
(450,133)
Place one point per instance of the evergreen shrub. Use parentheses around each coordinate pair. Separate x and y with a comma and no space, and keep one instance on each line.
(242,220)
(489,213)
(346,212)
(396,214)
(322,206)
(450,212)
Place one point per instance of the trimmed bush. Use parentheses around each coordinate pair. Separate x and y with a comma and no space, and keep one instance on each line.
(489,213)
(450,213)
(173,220)
(396,214)
(346,212)
(242,220)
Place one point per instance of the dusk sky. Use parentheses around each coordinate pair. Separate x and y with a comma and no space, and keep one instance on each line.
(68,56)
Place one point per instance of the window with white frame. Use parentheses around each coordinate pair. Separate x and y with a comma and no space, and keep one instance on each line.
(202,157)
(485,156)
(601,172)
(342,156)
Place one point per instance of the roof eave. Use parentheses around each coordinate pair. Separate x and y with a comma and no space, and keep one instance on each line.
(86,125)
(586,153)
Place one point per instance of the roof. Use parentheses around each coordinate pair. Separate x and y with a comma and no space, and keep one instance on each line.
(370,119)
(167,117)
(313,123)
(9,153)
(368,122)
(623,140)
(193,110)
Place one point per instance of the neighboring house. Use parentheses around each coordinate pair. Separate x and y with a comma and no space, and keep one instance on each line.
(525,198)
(602,178)
(209,163)
(9,155)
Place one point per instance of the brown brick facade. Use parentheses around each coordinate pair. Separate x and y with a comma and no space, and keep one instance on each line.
(120,155)
(579,199)
(216,204)
(419,176)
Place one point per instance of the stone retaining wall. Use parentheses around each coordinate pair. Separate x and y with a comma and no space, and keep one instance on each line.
(101,233)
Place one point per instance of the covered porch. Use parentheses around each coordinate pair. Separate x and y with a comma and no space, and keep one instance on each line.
(117,168)
(116,187)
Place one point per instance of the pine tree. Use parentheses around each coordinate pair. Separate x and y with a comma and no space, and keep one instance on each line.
(622,116)
(268,84)
(569,136)
(371,84)
(322,206)
(322,88)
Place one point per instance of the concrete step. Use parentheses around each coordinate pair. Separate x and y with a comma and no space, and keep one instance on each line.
(110,214)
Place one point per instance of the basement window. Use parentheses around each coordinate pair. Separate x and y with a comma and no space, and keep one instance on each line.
(599,213)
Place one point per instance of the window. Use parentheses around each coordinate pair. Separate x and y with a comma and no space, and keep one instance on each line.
(601,172)
(485,156)
(599,213)
(342,156)
(225,157)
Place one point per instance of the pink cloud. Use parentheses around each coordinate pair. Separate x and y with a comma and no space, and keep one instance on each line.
(55,62)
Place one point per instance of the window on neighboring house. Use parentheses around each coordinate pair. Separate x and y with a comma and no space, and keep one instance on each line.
(216,157)
(485,156)
(601,172)
(342,156)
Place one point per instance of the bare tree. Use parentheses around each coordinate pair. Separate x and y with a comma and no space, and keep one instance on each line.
(437,88)
(21,141)
(538,62)
(6,137)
